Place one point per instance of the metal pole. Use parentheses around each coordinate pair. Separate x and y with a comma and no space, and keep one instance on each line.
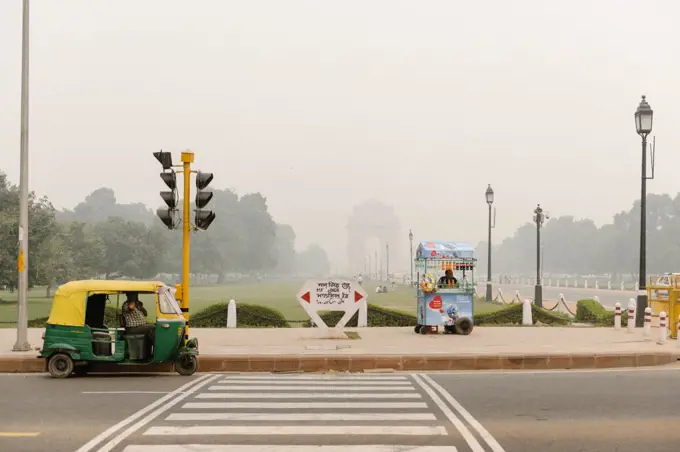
(538,291)
(410,239)
(489,295)
(22,344)
(642,290)
(187,159)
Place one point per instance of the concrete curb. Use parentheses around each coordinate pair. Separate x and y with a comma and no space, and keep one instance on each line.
(360,363)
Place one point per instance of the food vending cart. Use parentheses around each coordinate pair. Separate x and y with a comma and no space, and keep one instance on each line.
(446,290)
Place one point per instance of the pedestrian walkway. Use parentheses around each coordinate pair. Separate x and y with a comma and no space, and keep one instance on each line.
(304,413)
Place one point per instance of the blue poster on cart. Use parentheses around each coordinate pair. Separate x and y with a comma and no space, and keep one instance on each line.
(443,308)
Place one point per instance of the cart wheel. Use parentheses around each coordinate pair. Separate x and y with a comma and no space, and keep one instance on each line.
(424,329)
(60,365)
(449,329)
(463,326)
(417,329)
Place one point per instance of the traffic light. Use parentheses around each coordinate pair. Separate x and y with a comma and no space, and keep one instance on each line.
(169,216)
(203,217)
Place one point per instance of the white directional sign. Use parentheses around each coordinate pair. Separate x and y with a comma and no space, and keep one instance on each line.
(332,295)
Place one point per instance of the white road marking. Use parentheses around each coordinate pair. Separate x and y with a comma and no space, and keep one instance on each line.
(302,405)
(314,377)
(285,448)
(315,382)
(467,435)
(329,387)
(308,430)
(308,395)
(126,392)
(301,417)
(130,419)
(490,440)
(165,403)
(520,372)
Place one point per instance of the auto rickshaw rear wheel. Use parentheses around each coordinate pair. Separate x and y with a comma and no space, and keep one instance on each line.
(186,365)
(417,329)
(60,365)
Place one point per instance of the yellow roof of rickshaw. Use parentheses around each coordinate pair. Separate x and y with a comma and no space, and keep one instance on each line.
(68,306)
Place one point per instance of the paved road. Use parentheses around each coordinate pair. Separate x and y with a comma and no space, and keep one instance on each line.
(607,297)
(621,410)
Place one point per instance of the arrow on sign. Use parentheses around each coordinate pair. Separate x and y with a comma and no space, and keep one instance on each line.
(306,297)
(357,296)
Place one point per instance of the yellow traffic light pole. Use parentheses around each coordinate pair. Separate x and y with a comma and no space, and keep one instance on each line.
(187,160)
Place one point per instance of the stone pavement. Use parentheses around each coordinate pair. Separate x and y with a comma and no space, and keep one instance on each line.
(313,349)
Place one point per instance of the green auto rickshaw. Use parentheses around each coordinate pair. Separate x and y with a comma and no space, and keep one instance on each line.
(81,333)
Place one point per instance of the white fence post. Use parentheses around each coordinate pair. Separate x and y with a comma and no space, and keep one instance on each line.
(647,332)
(663,331)
(526,313)
(609,285)
(597,285)
(362,320)
(617,316)
(637,286)
(231,314)
(558,283)
(500,295)
(631,315)
(585,284)
(623,287)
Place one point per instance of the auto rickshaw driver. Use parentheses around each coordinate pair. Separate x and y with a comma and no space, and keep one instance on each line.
(134,318)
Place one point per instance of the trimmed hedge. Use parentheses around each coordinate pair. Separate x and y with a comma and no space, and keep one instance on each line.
(590,311)
(376,316)
(247,316)
(513,315)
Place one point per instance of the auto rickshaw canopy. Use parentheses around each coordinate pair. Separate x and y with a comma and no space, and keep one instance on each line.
(70,299)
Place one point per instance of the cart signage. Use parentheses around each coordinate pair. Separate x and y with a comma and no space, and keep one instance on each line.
(331,295)
(436,303)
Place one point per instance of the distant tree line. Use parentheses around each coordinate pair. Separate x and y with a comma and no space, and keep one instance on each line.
(579,247)
(102,238)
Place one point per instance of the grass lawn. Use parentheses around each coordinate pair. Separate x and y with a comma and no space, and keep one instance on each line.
(278,295)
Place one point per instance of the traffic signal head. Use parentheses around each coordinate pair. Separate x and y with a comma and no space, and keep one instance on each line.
(203,217)
(168,217)
(165,158)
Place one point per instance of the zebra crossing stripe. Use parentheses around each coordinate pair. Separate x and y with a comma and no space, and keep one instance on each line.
(301,417)
(329,387)
(308,395)
(308,430)
(285,448)
(337,381)
(303,405)
(316,377)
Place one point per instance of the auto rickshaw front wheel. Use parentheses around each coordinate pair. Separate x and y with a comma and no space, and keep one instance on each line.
(60,365)
(186,365)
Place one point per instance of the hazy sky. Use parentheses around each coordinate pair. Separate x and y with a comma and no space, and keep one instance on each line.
(321,105)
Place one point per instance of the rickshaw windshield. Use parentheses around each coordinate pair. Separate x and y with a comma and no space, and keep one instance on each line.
(167,303)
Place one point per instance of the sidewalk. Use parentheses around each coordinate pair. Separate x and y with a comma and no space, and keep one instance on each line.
(312,349)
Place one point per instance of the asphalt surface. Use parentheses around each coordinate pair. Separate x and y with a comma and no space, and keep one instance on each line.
(607,297)
(608,410)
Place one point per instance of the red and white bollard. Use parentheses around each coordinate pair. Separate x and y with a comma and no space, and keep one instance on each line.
(663,330)
(647,332)
(631,315)
(617,316)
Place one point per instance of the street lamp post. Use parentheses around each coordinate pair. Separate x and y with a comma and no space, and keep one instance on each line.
(489,201)
(643,126)
(410,239)
(539,218)
(22,344)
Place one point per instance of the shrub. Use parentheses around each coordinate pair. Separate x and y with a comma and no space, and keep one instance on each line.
(376,316)
(513,315)
(247,316)
(590,311)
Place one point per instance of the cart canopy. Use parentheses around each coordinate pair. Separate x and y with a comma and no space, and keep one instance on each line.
(444,250)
